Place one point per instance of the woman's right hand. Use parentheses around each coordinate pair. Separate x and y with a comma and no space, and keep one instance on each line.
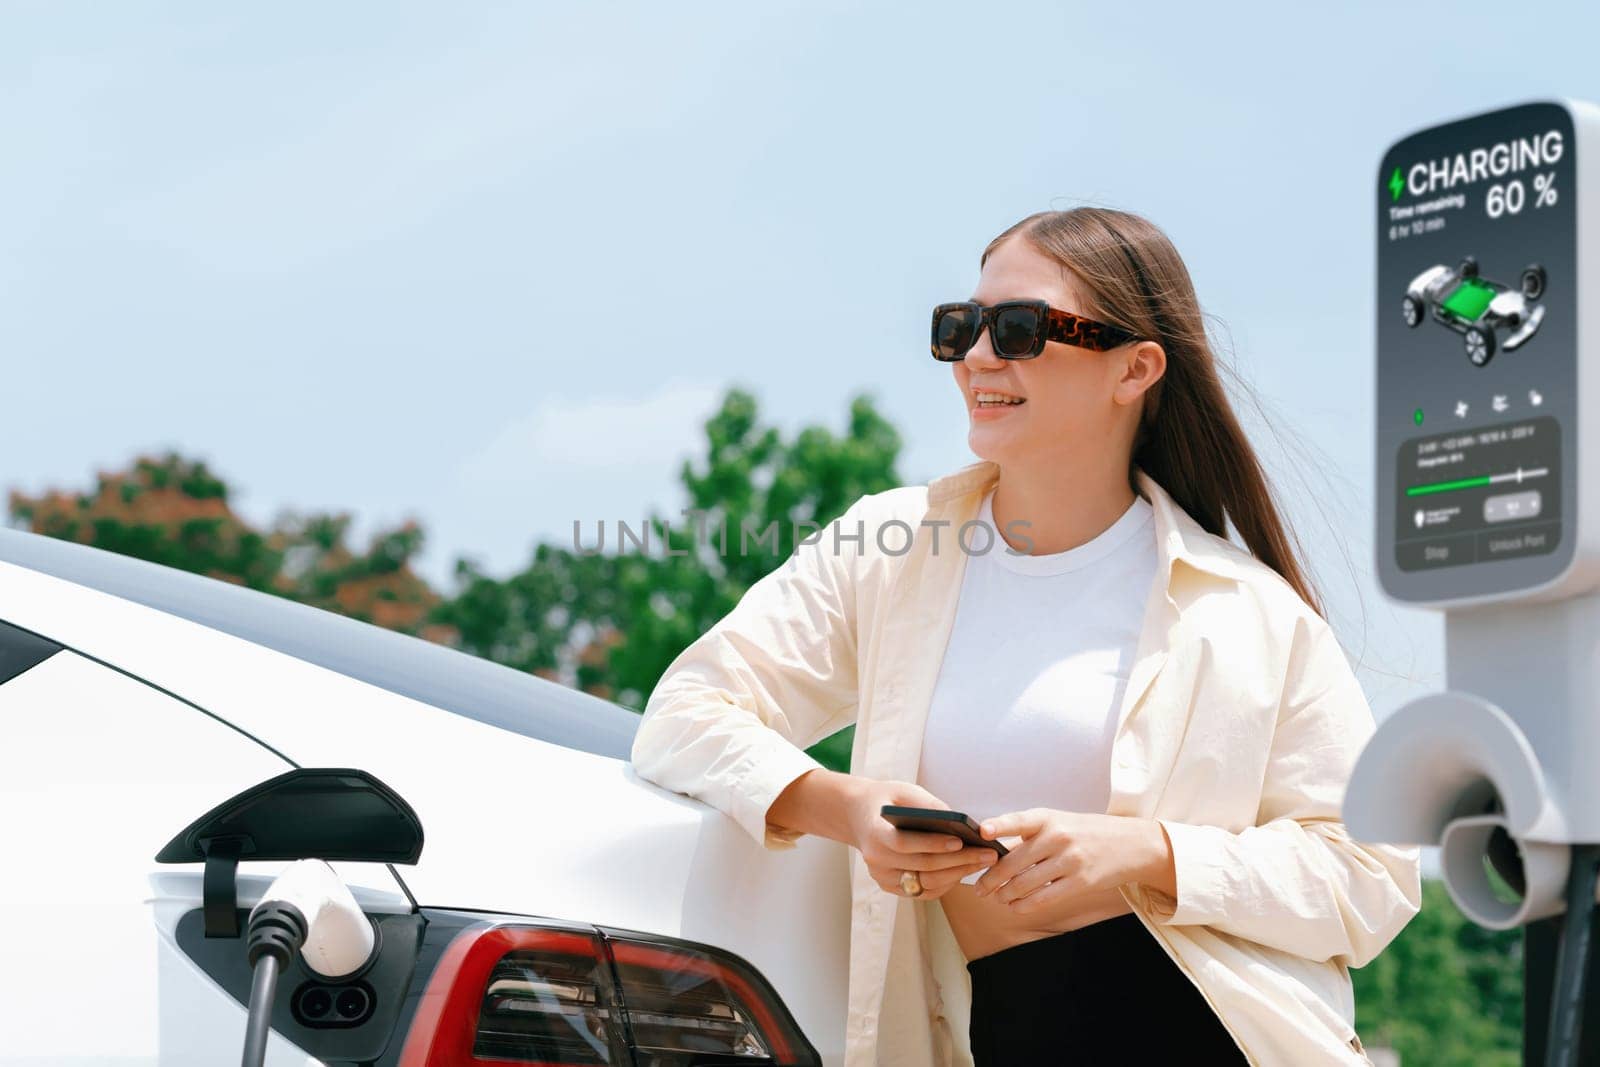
(940,860)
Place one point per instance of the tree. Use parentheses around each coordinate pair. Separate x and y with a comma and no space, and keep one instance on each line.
(174,510)
(613,622)
(1445,992)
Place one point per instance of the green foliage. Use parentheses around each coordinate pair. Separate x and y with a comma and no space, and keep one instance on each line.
(614,620)
(201,484)
(526,621)
(1446,992)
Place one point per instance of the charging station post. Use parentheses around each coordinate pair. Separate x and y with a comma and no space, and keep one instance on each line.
(1488,509)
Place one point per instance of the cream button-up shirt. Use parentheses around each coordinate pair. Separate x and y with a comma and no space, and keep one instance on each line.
(1238,729)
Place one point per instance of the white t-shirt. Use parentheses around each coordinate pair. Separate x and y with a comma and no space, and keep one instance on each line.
(1026,701)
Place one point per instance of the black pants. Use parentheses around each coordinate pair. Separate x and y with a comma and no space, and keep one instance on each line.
(1104,993)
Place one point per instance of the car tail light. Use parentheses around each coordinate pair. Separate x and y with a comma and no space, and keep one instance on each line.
(509,994)
(678,999)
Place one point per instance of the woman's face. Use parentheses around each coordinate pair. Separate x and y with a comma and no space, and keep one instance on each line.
(1075,401)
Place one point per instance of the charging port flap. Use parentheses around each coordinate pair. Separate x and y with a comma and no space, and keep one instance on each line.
(307,813)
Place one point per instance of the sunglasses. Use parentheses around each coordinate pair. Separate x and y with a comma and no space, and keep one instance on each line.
(1018,329)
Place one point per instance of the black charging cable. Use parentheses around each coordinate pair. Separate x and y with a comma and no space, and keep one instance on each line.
(276,932)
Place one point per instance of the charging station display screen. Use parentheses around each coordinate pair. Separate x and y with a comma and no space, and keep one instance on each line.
(1477,355)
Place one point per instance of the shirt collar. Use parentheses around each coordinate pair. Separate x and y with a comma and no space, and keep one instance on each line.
(1179,535)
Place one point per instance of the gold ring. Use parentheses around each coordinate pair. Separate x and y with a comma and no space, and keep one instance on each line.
(911,884)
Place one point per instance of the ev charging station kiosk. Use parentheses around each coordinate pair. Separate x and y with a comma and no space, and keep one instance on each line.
(1488,508)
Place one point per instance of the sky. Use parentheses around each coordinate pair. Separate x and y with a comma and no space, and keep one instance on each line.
(491,266)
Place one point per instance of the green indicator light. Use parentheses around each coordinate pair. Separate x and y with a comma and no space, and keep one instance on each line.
(1444,487)
(1397,184)
(1416,416)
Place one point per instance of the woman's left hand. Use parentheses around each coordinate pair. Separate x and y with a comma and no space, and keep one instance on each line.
(1068,854)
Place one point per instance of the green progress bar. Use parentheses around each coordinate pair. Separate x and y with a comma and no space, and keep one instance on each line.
(1444,487)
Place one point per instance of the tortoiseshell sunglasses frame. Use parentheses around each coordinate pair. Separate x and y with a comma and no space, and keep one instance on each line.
(1062,326)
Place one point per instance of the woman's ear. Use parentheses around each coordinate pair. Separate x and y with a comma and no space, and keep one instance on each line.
(1145,363)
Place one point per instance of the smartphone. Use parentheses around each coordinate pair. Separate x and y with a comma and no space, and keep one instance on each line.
(934,821)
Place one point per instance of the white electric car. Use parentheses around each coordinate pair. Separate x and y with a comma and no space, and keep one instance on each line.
(560,910)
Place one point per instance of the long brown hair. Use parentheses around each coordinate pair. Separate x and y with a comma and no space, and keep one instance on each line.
(1189,439)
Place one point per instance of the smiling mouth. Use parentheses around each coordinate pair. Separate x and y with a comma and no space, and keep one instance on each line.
(997,400)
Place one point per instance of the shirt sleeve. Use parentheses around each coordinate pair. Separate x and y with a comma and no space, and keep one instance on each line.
(1297,881)
(730,718)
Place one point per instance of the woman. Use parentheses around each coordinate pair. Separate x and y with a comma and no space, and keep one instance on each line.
(1156,721)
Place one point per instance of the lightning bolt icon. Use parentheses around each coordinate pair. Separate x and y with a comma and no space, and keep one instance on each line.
(1397,184)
